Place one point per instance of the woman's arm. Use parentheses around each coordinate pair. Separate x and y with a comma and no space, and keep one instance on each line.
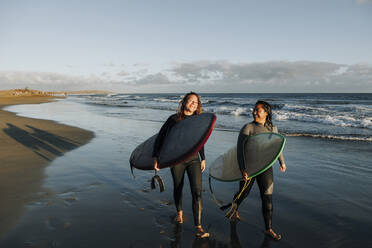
(161,135)
(202,154)
(202,158)
(244,132)
(283,167)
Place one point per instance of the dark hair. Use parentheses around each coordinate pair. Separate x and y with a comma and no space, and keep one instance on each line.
(182,106)
(267,107)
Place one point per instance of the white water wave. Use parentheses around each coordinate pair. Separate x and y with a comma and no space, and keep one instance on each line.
(337,120)
(298,107)
(327,136)
(239,111)
(166,100)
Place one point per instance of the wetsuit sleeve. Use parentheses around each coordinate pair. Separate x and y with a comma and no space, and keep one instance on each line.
(242,135)
(202,154)
(281,157)
(161,135)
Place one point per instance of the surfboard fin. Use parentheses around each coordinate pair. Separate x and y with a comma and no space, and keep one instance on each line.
(159,182)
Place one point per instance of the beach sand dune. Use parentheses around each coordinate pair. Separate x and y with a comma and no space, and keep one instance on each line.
(26,147)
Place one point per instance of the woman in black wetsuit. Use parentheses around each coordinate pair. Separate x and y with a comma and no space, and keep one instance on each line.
(262,123)
(188,106)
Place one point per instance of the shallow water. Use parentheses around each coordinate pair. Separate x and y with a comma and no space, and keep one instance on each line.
(323,200)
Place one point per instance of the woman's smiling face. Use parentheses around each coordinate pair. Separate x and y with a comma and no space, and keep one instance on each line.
(259,114)
(192,104)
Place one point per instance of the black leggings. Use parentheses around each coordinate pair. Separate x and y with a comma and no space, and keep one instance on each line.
(265,183)
(195,177)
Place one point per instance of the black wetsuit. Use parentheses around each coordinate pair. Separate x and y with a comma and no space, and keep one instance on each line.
(265,180)
(192,167)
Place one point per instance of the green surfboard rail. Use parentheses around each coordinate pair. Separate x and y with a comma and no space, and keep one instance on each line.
(267,166)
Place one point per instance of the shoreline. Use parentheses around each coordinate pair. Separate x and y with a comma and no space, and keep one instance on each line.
(27,146)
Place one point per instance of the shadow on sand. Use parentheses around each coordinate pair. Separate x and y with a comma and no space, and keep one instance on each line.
(45,144)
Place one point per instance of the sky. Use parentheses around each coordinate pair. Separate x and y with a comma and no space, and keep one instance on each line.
(175,46)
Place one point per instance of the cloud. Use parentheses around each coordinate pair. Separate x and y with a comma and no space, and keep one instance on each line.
(261,72)
(122,73)
(110,64)
(140,65)
(49,81)
(276,76)
(209,76)
(364,1)
(141,73)
(152,79)
(58,81)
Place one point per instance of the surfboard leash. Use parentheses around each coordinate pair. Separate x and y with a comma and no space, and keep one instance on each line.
(234,207)
(246,184)
(158,181)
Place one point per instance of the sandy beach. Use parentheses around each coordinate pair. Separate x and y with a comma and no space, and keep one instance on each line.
(27,146)
(321,201)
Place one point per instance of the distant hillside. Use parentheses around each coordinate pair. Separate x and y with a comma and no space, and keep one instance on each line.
(82,92)
(30,92)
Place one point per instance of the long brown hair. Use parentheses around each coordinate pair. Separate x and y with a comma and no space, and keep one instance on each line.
(182,106)
(267,107)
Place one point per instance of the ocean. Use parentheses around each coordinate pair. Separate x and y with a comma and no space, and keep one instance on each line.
(332,116)
(322,200)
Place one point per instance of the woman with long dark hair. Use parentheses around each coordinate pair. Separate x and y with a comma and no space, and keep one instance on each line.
(188,106)
(262,123)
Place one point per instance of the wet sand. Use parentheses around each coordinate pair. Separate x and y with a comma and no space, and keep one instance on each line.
(321,201)
(27,146)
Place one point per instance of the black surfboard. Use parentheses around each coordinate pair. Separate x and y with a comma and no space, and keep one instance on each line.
(185,139)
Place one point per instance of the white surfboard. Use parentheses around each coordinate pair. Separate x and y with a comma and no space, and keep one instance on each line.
(226,166)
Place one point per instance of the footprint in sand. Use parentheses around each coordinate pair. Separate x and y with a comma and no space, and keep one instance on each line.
(160,222)
(68,198)
(53,223)
(166,203)
(127,199)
